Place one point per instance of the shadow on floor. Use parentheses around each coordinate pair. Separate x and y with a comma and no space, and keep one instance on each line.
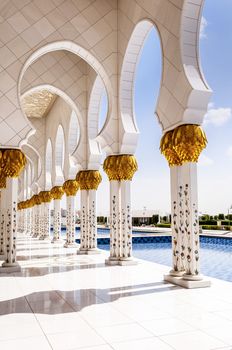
(58,301)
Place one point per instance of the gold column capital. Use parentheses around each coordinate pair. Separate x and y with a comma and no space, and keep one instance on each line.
(89,179)
(168,150)
(2,181)
(12,162)
(37,200)
(57,192)
(70,187)
(120,167)
(183,144)
(45,196)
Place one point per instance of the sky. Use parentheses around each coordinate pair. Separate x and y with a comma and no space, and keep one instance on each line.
(151,184)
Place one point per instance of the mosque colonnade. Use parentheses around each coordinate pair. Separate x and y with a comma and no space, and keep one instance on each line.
(52,140)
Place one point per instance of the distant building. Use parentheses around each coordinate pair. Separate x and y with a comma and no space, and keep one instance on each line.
(143,217)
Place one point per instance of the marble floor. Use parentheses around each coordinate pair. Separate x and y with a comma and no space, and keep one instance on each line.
(63,301)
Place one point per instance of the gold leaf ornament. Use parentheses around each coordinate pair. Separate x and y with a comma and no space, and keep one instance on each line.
(45,196)
(89,179)
(57,192)
(120,167)
(167,149)
(183,144)
(12,162)
(70,187)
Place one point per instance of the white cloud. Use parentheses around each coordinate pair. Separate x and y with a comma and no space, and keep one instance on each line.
(217,116)
(203,26)
(204,160)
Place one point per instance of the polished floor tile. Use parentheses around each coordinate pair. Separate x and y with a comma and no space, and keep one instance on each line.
(63,301)
(35,343)
(117,333)
(193,341)
(145,344)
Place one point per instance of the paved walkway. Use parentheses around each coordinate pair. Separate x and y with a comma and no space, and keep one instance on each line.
(64,301)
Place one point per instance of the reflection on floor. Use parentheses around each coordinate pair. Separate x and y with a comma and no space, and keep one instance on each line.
(61,300)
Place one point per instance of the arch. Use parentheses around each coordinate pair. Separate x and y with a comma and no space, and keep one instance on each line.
(95,101)
(66,98)
(130,132)
(33,154)
(59,154)
(48,165)
(81,52)
(74,133)
(190,33)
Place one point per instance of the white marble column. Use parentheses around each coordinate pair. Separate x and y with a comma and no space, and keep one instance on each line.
(70,222)
(28,213)
(89,181)
(24,221)
(192,258)
(70,188)
(178,227)
(47,221)
(115,223)
(33,221)
(92,220)
(10,264)
(57,221)
(2,224)
(84,230)
(182,147)
(120,170)
(36,220)
(126,223)
(41,221)
(19,219)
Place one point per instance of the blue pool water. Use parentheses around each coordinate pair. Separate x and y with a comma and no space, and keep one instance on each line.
(216,255)
(100,231)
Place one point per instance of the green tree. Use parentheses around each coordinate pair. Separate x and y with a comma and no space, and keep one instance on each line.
(221,217)
(155,219)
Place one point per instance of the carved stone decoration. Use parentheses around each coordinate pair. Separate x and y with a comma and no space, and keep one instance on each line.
(10,263)
(70,187)
(12,162)
(89,181)
(57,221)
(70,222)
(38,104)
(120,167)
(183,144)
(120,170)
(57,192)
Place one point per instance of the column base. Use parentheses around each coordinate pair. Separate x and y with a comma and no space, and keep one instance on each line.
(112,261)
(121,262)
(176,273)
(127,262)
(88,251)
(70,245)
(44,238)
(57,240)
(189,284)
(9,268)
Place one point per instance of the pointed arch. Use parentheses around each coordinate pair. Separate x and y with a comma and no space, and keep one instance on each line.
(74,133)
(129,130)
(59,154)
(48,165)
